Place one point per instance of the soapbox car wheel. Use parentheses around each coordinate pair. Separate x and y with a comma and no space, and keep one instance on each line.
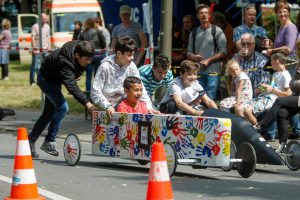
(246,153)
(232,156)
(143,162)
(171,158)
(292,157)
(72,149)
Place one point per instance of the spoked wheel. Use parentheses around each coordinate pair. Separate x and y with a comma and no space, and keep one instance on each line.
(292,158)
(171,158)
(232,156)
(72,149)
(246,153)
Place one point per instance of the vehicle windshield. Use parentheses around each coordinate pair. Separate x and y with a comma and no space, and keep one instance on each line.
(27,22)
(64,22)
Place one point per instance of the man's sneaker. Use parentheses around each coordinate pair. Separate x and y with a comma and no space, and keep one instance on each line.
(34,154)
(50,148)
(281,148)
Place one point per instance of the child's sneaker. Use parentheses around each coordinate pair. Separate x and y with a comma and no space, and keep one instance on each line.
(50,148)
(257,127)
(281,148)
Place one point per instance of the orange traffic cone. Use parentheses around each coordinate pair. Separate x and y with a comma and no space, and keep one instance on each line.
(24,184)
(159,184)
(147,57)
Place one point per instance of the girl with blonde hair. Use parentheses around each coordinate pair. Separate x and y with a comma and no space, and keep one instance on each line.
(238,85)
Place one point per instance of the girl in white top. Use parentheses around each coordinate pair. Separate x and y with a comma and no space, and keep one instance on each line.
(185,94)
(279,87)
(239,86)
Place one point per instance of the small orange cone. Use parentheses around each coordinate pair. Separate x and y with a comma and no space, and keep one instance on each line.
(159,184)
(24,184)
(147,57)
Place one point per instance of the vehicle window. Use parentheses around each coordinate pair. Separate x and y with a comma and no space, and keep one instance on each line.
(27,22)
(63,22)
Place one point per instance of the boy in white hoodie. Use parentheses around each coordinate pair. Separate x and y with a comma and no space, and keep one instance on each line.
(107,90)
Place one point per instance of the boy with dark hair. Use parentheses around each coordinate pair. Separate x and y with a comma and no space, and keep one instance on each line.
(133,89)
(63,66)
(108,88)
(185,94)
(156,75)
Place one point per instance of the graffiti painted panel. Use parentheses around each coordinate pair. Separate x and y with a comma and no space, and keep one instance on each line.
(202,138)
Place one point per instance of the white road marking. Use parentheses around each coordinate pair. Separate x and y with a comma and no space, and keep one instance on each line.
(41,191)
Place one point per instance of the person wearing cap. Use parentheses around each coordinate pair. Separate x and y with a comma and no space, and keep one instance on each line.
(131,29)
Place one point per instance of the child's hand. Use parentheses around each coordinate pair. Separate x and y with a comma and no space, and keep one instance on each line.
(268,87)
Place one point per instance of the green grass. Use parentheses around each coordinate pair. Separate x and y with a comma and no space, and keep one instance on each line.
(16,93)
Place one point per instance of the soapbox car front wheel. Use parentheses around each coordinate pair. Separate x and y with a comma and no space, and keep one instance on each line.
(143,162)
(171,158)
(72,149)
(232,156)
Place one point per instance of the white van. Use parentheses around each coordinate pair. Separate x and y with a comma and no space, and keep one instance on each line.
(62,15)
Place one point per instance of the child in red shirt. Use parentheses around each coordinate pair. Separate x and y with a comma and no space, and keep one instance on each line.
(133,89)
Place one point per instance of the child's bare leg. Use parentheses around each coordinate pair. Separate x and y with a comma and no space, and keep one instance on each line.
(239,110)
(249,115)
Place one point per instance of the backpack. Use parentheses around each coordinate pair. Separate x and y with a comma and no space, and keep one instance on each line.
(213,32)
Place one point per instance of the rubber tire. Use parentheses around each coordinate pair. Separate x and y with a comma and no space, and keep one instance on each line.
(233,151)
(246,152)
(171,158)
(288,159)
(143,162)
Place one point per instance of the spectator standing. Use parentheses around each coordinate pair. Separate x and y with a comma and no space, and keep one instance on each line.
(77,29)
(108,90)
(188,25)
(100,55)
(97,39)
(156,75)
(61,67)
(98,26)
(133,30)
(5,38)
(220,20)
(36,54)
(249,26)
(285,41)
(207,46)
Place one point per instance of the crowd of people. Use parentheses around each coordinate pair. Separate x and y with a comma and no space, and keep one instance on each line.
(121,83)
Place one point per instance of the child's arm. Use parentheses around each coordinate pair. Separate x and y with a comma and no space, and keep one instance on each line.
(208,102)
(239,92)
(184,106)
(284,93)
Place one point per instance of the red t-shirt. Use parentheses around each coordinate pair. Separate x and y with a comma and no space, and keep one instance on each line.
(140,107)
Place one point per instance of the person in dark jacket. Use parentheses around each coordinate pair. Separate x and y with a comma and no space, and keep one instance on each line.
(63,66)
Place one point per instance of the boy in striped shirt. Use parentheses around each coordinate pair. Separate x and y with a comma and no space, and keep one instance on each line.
(156,75)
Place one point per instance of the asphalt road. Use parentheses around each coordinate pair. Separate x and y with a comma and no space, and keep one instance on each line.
(112,178)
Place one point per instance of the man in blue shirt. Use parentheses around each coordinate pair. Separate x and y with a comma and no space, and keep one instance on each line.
(249,26)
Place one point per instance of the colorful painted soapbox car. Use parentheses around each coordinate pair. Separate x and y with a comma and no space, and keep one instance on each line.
(190,140)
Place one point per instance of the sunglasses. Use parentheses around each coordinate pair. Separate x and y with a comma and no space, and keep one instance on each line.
(246,43)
